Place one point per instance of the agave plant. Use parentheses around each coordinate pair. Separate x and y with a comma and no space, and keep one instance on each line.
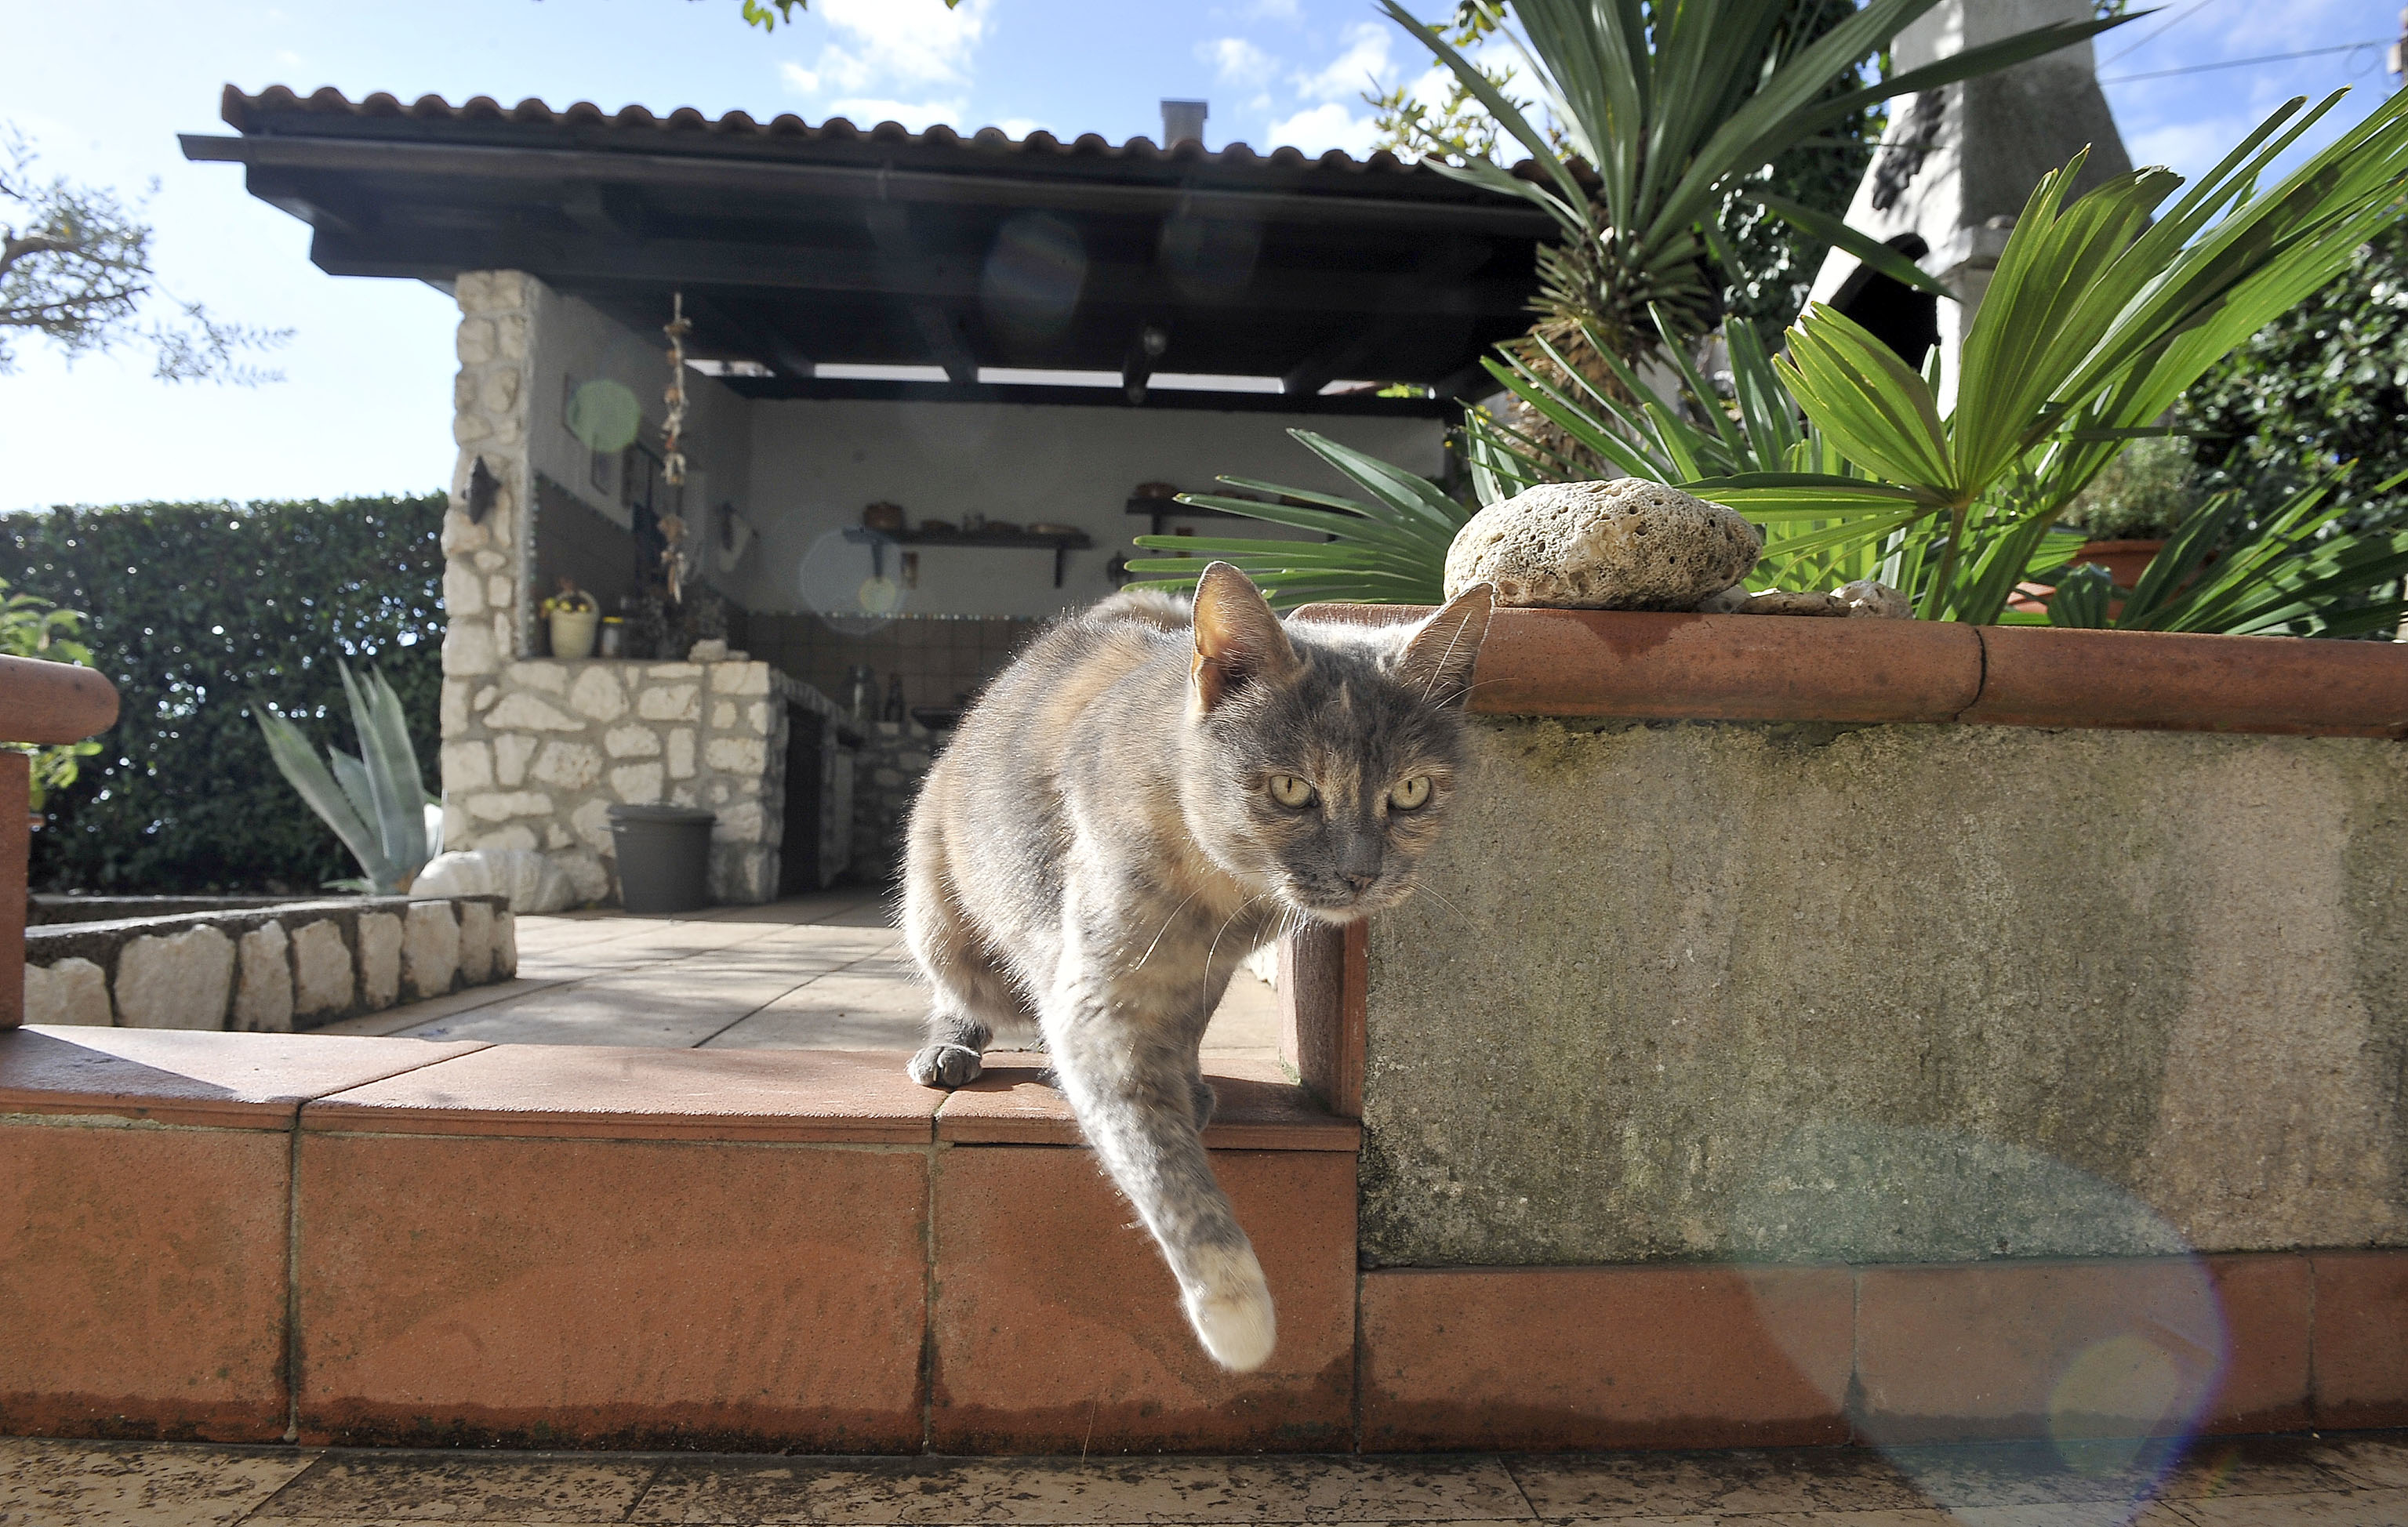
(377,802)
(1669,109)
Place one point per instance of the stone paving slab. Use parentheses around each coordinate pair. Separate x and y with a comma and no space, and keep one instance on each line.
(824,972)
(2347,1480)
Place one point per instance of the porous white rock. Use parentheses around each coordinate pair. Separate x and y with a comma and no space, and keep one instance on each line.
(1864,597)
(1869,597)
(476,942)
(598,694)
(70,992)
(1629,544)
(176,980)
(262,999)
(531,881)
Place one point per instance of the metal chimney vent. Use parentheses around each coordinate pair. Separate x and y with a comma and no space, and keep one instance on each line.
(1183,120)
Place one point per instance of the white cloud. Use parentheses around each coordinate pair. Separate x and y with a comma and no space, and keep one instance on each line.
(1324,128)
(1238,62)
(1364,59)
(879,46)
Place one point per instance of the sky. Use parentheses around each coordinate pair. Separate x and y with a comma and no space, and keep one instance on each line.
(365,404)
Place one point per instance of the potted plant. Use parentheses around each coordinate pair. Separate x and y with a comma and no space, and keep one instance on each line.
(574,616)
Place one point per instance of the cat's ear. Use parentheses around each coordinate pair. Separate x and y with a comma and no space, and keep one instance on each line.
(1238,638)
(1437,657)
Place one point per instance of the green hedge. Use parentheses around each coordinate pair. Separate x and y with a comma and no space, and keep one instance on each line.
(194,608)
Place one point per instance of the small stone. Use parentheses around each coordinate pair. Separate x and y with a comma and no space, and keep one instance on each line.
(498,392)
(452,711)
(500,805)
(1629,544)
(463,591)
(524,712)
(757,715)
(474,343)
(506,928)
(1793,602)
(568,765)
(734,755)
(722,713)
(72,992)
(262,1002)
(475,943)
(497,590)
(176,980)
(511,755)
(517,836)
(740,679)
(545,675)
(674,670)
(461,534)
(639,784)
(670,703)
(430,949)
(486,695)
(1877,600)
(321,971)
(467,429)
(681,754)
(467,766)
(591,823)
(468,647)
(740,823)
(598,694)
(712,650)
(632,742)
(380,966)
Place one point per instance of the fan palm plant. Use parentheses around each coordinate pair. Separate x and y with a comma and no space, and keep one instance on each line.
(377,802)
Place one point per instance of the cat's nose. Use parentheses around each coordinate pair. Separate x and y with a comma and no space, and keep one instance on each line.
(1361,882)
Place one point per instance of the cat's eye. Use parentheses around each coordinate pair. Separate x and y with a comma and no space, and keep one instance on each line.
(1408,794)
(1291,791)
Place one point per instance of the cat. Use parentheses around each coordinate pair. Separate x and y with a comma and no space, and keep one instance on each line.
(1137,803)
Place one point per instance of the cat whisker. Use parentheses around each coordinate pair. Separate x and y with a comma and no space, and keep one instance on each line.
(1166,928)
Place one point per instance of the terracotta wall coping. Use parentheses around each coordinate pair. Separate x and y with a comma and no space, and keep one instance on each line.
(41,701)
(343,1084)
(1776,668)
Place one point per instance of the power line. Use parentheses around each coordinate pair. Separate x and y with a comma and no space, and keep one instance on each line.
(2240,63)
(2187,10)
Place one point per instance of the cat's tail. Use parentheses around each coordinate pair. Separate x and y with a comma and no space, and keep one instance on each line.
(1148,606)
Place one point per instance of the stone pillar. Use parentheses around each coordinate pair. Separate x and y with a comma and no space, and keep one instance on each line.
(1958,164)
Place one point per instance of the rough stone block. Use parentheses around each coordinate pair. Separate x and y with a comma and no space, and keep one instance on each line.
(740,823)
(497,391)
(502,806)
(669,703)
(506,933)
(524,712)
(462,536)
(549,676)
(735,755)
(637,783)
(591,824)
(681,754)
(723,714)
(475,943)
(598,694)
(68,992)
(451,709)
(322,970)
(486,695)
(176,980)
(380,960)
(468,647)
(463,591)
(511,336)
(468,429)
(466,765)
(674,670)
(498,591)
(430,949)
(632,742)
(474,343)
(262,999)
(758,715)
(586,877)
(569,766)
(740,679)
(516,836)
(511,755)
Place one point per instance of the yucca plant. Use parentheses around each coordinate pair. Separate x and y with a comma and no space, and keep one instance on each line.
(377,802)
(1668,109)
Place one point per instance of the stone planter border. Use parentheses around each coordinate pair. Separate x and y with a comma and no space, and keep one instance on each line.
(294,964)
(1787,668)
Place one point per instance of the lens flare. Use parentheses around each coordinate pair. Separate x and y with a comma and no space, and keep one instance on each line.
(843,583)
(604,415)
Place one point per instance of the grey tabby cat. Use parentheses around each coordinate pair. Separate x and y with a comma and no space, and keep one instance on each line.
(1135,804)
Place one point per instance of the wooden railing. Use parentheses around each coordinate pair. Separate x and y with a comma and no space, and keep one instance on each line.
(42,703)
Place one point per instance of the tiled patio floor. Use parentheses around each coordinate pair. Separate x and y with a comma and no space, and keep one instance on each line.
(2344,1480)
(824,972)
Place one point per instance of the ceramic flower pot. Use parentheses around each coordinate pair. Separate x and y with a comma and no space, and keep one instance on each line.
(572,631)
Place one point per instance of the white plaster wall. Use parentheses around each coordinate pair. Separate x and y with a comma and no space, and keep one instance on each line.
(816,463)
(574,343)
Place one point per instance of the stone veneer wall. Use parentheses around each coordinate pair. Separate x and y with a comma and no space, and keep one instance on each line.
(534,756)
(895,757)
(298,964)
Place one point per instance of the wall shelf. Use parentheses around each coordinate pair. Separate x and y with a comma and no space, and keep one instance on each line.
(1021,540)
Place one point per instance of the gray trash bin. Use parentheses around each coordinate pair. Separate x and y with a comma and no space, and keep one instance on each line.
(664,857)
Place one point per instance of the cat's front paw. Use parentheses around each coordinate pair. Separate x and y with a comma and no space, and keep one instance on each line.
(1231,1311)
(945,1065)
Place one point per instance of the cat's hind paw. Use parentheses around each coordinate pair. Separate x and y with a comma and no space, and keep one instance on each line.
(1232,1315)
(945,1065)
